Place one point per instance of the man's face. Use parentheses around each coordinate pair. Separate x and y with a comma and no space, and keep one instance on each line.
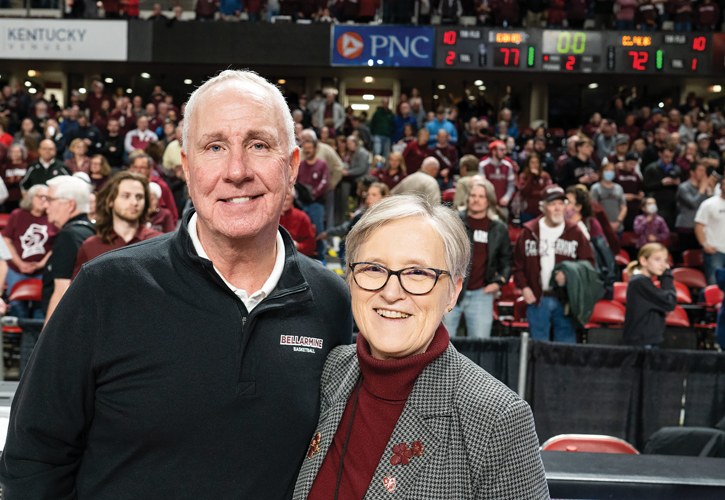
(129,201)
(666,156)
(142,123)
(586,149)
(309,151)
(482,127)
(506,115)
(385,102)
(330,98)
(477,201)
(500,151)
(113,127)
(163,108)
(137,101)
(47,150)
(622,149)
(82,120)
(40,110)
(554,211)
(58,211)
(442,137)
(150,109)
(141,166)
(238,164)
(404,109)
(539,146)
(704,144)
(699,173)
(629,165)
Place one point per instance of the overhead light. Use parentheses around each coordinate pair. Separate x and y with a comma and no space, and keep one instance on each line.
(481,87)
(368,97)
(442,87)
(478,83)
(662,105)
(145,75)
(360,107)
(380,61)
(281,81)
(473,98)
(32,91)
(108,80)
(32,72)
(370,62)
(187,81)
(715,88)
(593,86)
(368,79)
(82,90)
(129,91)
(27,83)
(435,96)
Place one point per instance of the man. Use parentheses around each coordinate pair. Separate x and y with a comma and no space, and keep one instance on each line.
(477,144)
(569,153)
(90,135)
(45,168)
(144,165)
(468,170)
(403,119)
(423,182)
(40,117)
(417,110)
(547,160)
(112,146)
(447,156)
(95,99)
(298,225)
(330,109)
(652,152)
(194,356)
(661,179)
(315,176)
(159,219)
(709,224)
(153,118)
(633,187)
(306,112)
(500,171)
(512,130)
(334,164)
(690,195)
(68,205)
(140,137)
(605,139)
(121,208)
(544,242)
(363,132)
(382,126)
(439,123)
(620,150)
(708,157)
(579,169)
(417,151)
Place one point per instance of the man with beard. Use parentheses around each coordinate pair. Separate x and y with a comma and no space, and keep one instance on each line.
(121,208)
(544,242)
(477,144)
(141,163)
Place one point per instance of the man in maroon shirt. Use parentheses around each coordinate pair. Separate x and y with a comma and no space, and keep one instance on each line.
(416,152)
(121,208)
(447,155)
(144,165)
(298,225)
(94,100)
(477,144)
(707,16)
(315,174)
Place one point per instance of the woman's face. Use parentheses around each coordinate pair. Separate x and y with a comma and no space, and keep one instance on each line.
(40,202)
(572,208)
(27,125)
(656,263)
(416,245)
(153,203)
(374,196)
(16,155)
(394,162)
(96,166)
(80,149)
(350,145)
(324,133)
(534,165)
(341,145)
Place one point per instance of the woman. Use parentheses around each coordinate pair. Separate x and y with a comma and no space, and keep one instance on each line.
(394,171)
(99,172)
(490,266)
(408,134)
(416,152)
(687,160)
(610,196)
(532,182)
(27,129)
(29,237)
(79,162)
(341,146)
(648,226)
(13,170)
(402,410)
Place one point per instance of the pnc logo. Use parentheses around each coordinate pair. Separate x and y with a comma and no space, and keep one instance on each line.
(350,45)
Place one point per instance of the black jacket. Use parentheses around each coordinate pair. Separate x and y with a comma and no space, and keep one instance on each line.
(500,253)
(152,381)
(647,309)
(38,174)
(115,157)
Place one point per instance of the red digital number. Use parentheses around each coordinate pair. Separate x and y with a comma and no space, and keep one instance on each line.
(571,60)
(449,37)
(507,56)
(639,60)
(699,43)
(694,64)
(451,58)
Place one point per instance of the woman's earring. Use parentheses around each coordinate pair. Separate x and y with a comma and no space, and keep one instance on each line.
(450,309)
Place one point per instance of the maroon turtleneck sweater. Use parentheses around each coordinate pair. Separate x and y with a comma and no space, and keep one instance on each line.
(385,389)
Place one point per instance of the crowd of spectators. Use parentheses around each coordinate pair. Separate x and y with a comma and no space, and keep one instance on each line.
(644,15)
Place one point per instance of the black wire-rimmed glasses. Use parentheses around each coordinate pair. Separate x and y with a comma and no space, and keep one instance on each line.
(414,280)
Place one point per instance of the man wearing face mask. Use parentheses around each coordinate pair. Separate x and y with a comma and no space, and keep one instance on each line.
(661,179)
(544,242)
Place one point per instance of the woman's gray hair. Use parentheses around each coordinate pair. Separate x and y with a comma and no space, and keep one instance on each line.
(21,147)
(27,202)
(444,221)
(68,187)
(249,78)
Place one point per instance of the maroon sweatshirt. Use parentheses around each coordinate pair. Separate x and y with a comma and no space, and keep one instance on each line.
(708,14)
(303,232)
(571,245)
(386,386)
(414,154)
(531,189)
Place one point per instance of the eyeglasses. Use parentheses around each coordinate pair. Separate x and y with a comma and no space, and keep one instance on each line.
(51,199)
(42,197)
(414,280)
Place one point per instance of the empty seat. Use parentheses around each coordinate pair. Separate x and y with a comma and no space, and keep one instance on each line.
(691,278)
(620,292)
(678,317)
(692,258)
(629,239)
(608,312)
(448,195)
(589,443)
(622,258)
(30,289)
(509,292)
(713,295)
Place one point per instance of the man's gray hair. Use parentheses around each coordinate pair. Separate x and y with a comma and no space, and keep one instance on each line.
(309,133)
(444,221)
(68,187)
(249,78)
(27,202)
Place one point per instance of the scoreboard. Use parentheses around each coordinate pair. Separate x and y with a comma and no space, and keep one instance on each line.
(569,51)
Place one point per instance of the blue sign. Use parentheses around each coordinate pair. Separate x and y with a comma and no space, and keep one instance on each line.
(382,46)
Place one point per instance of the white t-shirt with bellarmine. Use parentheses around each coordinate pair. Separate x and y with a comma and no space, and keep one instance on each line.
(547,244)
(712,215)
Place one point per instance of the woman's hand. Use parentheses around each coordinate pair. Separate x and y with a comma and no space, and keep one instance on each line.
(652,238)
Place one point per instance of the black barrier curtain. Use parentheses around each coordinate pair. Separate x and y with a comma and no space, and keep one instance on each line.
(498,356)
(582,389)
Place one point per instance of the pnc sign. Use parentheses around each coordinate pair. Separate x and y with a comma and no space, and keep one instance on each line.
(382,46)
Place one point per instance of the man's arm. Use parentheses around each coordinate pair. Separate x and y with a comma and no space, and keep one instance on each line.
(127,142)
(61,286)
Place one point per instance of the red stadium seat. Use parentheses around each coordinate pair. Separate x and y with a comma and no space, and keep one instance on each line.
(589,443)
(629,239)
(713,295)
(30,289)
(509,292)
(625,276)
(520,307)
(448,195)
(622,258)
(692,278)
(608,312)
(678,317)
(620,292)
(4,218)
(527,131)
(692,258)
(683,294)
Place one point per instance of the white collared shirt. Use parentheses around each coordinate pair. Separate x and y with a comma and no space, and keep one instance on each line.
(250,301)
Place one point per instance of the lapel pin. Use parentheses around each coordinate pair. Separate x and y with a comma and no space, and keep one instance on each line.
(401,454)
(417,448)
(389,483)
(314,445)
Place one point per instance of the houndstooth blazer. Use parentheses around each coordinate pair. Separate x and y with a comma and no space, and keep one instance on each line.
(478,437)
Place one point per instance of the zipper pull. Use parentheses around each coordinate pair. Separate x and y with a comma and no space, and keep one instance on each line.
(244,321)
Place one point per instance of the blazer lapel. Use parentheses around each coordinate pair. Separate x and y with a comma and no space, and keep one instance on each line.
(425,419)
(334,400)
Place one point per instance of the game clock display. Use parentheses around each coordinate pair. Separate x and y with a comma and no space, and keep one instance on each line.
(571,51)
(475,48)
(668,53)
